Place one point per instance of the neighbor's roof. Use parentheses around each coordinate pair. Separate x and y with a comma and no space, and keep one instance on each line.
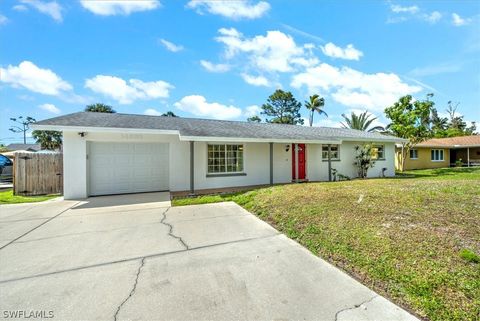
(27,147)
(461,141)
(198,129)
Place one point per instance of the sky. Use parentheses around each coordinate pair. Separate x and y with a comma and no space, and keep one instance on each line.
(222,59)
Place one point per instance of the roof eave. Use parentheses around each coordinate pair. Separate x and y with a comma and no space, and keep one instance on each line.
(320,140)
(103,129)
(387,139)
(259,140)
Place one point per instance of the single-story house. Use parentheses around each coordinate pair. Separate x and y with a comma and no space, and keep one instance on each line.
(442,152)
(24,147)
(121,153)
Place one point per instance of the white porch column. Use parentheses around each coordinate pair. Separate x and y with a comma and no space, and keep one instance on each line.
(329,162)
(296,163)
(192,168)
(271,163)
(468,156)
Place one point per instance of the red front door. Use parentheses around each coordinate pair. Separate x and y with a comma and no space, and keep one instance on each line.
(301,161)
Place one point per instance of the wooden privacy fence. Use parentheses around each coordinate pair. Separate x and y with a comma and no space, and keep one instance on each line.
(38,173)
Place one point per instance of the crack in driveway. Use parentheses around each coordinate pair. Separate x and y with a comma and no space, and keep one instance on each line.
(136,258)
(170,232)
(356,306)
(132,292)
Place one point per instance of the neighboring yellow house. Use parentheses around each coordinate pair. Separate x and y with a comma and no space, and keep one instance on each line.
(442,152)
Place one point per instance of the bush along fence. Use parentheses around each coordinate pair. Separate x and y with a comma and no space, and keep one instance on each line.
(38,173)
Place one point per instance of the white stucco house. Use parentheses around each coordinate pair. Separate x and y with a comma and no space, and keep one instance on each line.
(121,153)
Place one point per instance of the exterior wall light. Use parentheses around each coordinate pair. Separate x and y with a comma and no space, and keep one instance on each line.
(287,148)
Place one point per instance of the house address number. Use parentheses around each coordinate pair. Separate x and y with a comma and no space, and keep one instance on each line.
(131,136)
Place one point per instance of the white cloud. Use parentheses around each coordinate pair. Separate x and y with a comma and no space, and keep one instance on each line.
(152,112)
(235,10)
(459,21)
(126,93)
(199,106)
(211,67)
(354,88)
(274,52)
(119,7)
(52,8)
(412,12)
(399,9)
(3,19)
(303,33)
(433,17)
(252,110)
(51,108)
(171,46)
(29,76)
(424,85)
(256,80)
(322,121)
(441,68)
(20,7)
(348,53)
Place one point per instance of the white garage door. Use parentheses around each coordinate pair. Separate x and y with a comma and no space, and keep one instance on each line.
(117,168)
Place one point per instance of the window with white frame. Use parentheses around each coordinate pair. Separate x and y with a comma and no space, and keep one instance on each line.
(437,155)
(334,152)
(413,153)
(225,158)
(378,152)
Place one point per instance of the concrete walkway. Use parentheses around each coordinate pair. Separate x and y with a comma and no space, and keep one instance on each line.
(136,258)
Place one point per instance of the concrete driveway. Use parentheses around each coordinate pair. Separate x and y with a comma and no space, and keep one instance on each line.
(133,257)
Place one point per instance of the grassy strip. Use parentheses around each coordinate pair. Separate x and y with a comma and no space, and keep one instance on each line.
(7,197)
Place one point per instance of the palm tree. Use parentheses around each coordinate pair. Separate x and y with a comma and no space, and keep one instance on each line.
(100,108)
(361,122)
(169,114)
(48,139)
(315,105)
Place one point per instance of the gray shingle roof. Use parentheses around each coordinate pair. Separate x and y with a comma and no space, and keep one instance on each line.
(31,147)
(209,127)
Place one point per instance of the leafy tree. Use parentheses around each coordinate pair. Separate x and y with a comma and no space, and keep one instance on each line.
(361,122)
(315,104)
(254,119)
(451,126)
(410,120)
(48,139)
(457,126)
(169,114)
(363,159)
(3,148)
(23,127)
(100,108)
(283,108)
(439,124)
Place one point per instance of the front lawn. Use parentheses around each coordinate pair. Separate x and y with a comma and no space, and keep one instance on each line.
(414,238)
(7,197)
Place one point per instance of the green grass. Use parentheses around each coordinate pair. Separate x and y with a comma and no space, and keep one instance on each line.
(470,256)
(7,197)
(442,173)
(414,238)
